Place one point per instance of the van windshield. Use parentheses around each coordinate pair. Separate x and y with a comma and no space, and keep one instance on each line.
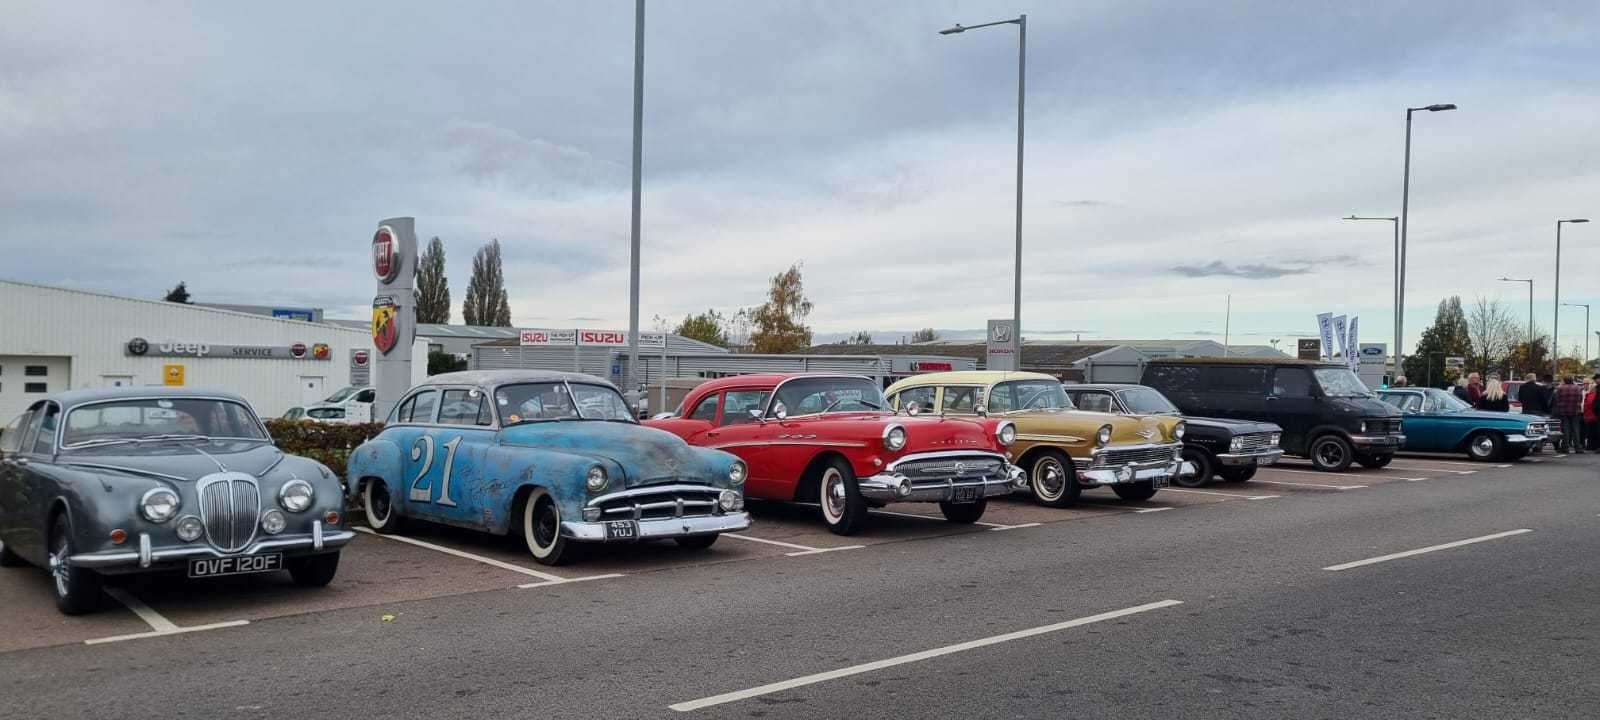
(343,394)
(1339,382)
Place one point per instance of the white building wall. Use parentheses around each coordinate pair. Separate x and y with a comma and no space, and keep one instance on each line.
(92,331)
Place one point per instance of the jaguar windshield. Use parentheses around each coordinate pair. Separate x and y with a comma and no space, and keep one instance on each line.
(156,419)
(1339,382)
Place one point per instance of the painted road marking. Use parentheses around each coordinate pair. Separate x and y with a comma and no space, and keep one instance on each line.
(1429,549)
(1223,494)
(1014,527)
(564,581)
(996,526)
(779,543)
(819,551)
(1432,469)
(1154,509)
(771,688)
(466,555)
(159,625)
(1311,485)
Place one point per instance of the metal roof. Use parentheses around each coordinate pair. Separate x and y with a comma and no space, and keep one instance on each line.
(491,378)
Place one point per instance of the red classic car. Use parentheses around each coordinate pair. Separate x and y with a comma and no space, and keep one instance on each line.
(830,439)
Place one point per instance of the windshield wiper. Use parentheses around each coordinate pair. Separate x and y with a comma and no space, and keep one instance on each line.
(172,437)
(99,442)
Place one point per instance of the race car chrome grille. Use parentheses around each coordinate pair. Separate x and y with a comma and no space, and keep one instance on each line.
(946,468)
(1252,442)
(229,508)
(1142,455)
(668,503)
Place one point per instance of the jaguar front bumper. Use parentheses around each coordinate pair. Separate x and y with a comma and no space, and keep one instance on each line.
(888,487)
(661,528)
(1136,473)
(147,556)
(1259,457)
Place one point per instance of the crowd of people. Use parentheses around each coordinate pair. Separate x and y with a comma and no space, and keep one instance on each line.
(1571,403)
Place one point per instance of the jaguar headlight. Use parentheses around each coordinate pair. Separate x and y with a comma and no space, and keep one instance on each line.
(296,496)
(1006,433)
(1179,429)
(597,479)
(159,505)
(273,522)
(189,528)
(1103,437)
(1236,444)
(737,473)
(894,438)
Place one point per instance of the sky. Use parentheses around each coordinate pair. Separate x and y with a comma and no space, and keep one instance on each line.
(1176,153)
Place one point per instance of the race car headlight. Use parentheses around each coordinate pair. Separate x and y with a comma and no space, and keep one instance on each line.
(737,473)
(159,505)
(190,528)
(730,500)
(296,496)
(1178,430)
(894,438)
(1103,437)
(273,522)
(597,479)
(1236,444)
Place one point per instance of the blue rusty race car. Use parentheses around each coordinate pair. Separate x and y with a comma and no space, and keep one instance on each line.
(1437,421)
(554,456)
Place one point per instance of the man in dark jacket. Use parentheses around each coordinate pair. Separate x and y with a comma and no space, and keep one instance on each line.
(1569,407)
(1532,396)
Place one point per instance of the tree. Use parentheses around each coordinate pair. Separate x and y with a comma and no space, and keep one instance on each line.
(179,294)
(486,302)
(1448,337)
(780,322)
(433,288)
(861,338)
(738,328)
(443,362)
(707,327)
(1493,331)
(1526,361)
(924,335)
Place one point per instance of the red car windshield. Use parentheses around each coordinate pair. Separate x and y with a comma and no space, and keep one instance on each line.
(814,395)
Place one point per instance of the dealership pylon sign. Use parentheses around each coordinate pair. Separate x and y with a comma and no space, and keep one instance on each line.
(394,310)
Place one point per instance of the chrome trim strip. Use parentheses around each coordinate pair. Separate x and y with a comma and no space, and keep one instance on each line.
(316,534)
(766,443)
(129,470)
(1140,446)
(1035,437)
(663,528)
(144,550)
(651,490)
(334,539)
(937,454)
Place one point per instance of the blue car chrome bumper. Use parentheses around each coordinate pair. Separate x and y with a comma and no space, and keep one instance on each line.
(662,528)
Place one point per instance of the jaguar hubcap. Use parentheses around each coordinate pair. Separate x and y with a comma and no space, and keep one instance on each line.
(59,567)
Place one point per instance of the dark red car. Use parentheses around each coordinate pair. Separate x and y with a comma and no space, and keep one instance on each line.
(830,439)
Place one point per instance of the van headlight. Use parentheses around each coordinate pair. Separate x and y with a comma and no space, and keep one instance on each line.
(736,474)
(894,438)
(1276,437)
(1179,429)
(1236,444)
(1006,433)
(596,479)
(296,496)
(1103,437)
(159,505)
(1363,427)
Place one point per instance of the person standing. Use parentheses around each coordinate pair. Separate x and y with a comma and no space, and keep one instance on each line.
(1400,382)
(1494,397)
(1474,388)
(1460,390)
(1591,421)
(1569,407)
(1532,396)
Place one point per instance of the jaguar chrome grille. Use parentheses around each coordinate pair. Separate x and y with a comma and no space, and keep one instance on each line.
(1143,455)
(230,506)
(1252,442)
(665,504)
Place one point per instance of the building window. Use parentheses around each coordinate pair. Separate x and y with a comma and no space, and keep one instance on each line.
(36,371)
(34,388)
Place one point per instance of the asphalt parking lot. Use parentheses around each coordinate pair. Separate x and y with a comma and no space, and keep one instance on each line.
(431,561)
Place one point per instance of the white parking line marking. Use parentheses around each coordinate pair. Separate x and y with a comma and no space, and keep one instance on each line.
(913,657)
(819,551)
(1462,463)
(1013,527)
(466,555)
(940,519)
(145,612)
(1300,472)
(163,633)
(1145,510)
(1213,492)
(607,576)
(1432,469)
(1429,549)
(779,543)
(1311,485)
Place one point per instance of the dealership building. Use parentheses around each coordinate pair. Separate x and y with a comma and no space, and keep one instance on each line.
(54,339)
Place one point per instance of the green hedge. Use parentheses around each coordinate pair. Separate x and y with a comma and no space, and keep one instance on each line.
(326,443)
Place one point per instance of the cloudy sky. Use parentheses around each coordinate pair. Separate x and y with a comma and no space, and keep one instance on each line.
(1177,152)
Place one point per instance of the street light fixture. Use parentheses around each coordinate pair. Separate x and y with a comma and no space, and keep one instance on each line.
(1585,307)
(1396,278)
(1021,21)
(1555,330)
(1405,211)
(1529,281)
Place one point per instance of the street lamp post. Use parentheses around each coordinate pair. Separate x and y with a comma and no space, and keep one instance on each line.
(1396,290)
(633,248)
(1555,330)
(1021,21)
(1585,307)
(1405,209)
(1529,281)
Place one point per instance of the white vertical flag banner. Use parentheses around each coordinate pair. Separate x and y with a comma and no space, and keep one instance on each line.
(1338,336)
(1351,356)
(1325,326)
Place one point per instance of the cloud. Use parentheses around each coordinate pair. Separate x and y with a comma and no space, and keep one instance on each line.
(1254,271)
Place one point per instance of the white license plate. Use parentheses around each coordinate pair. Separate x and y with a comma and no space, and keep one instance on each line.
(235,565)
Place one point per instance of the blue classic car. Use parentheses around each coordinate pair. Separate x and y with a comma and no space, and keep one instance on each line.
(144,479)
(1437,421)
(554,456)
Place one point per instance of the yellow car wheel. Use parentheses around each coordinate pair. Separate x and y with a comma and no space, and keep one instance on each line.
(1054,479)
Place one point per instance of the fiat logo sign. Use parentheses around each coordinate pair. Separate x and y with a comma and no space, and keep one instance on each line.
(360,358)
(385,254)
(298,350)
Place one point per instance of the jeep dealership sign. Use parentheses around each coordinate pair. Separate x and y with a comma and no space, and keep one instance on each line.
(139,347)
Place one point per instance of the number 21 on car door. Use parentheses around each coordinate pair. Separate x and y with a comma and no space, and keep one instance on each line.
(442,473)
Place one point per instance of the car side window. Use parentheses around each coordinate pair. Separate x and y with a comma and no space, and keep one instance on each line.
(922,396)
(962,399)
(367,396)
(11,437)
(421,407)
(461,407)
(44,442)
(1291,382)
(737,404)
(1095,402)
(1237,379)
(1171,379)
(707,408)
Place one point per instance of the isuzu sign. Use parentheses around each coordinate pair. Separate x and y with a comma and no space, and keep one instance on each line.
(602,337)
(385,255)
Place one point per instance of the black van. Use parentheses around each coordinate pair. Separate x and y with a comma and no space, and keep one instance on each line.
(1326,412)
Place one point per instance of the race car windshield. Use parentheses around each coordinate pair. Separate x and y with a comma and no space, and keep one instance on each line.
(810,396)
(1145,401)
(1339,382)
(156,419)
(534,402)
